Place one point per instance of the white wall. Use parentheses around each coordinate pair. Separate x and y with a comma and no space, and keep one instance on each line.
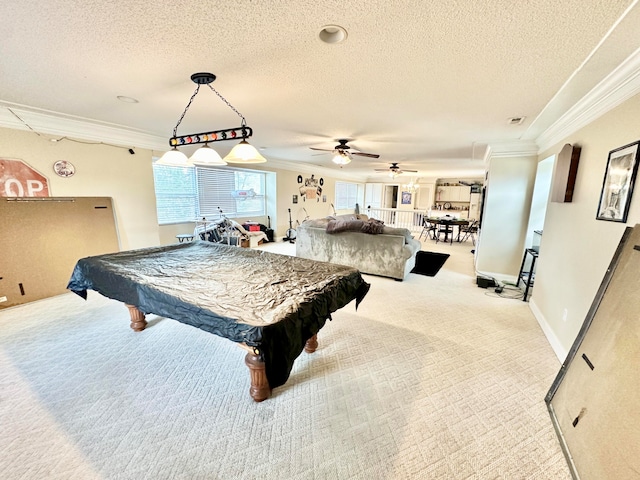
(540,198)
(506,215)
(576,248)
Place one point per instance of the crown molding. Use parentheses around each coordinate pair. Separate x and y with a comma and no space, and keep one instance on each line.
(61,125)
(617,87)
(515,148)
(486,156)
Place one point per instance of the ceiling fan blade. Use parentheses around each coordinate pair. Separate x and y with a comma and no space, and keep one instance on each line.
(322,149)
(412,171)
(362,154)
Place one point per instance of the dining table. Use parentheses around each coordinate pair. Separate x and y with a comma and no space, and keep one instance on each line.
(445,225)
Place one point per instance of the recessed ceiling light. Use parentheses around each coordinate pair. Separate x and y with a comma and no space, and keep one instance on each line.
(124,99)
(333,34)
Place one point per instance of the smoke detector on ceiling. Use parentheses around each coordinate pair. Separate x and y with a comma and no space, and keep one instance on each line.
(515,120)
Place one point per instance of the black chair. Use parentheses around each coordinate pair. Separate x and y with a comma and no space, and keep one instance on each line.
(469,231)
(428,229)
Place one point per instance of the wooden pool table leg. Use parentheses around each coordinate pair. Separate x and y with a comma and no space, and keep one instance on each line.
(138,322)
(312,344)
(260,389)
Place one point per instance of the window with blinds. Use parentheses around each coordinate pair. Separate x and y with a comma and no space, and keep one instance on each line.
(347,195)
(183,194)
(238,193)
(176,194)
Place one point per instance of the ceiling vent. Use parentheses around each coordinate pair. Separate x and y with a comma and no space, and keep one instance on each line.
(516,120)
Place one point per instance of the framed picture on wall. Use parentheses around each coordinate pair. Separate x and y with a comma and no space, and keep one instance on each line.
(405,198)
(619,179)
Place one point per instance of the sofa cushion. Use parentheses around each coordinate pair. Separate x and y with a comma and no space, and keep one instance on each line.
(337,226)
(318,222)
(403,232)
(370,226)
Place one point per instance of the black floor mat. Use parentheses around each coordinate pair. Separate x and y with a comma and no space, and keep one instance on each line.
(429,263)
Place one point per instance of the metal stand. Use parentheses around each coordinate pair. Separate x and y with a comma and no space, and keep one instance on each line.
(527,277)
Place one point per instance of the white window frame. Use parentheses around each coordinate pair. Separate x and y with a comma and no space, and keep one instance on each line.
(202,205)
(348,194)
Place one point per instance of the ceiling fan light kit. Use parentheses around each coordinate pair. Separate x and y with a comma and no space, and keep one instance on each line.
(394,170)
(341,159)
(241,153)
(342,152)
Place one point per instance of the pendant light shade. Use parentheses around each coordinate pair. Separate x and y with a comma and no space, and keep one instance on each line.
(174,158)
(206,155)
(244,153)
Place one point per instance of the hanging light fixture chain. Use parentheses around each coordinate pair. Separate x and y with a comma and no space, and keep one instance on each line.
(175,130)
(244,122)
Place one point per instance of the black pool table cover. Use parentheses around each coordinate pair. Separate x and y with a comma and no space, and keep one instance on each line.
(265,300)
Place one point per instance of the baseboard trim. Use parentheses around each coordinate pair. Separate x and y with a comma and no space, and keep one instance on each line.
(558,349)
(508,279)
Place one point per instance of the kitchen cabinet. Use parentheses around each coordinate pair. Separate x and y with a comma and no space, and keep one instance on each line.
(447,193)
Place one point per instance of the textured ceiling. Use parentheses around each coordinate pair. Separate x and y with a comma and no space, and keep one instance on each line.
(426,84)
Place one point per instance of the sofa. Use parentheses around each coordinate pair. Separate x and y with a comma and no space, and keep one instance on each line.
(384,251)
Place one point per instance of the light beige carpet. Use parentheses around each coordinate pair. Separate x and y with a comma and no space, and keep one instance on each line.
(432,378)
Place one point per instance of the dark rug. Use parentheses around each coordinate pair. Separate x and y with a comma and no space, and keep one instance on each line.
(429,263)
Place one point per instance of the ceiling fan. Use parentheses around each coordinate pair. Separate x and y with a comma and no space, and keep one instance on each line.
(394,170)
(343,152)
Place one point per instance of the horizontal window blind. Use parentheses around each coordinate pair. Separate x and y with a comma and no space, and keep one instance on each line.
(175,188)
(184,194)
(214,192)
(238,193)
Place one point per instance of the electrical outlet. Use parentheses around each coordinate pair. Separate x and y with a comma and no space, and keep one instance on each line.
(564,315)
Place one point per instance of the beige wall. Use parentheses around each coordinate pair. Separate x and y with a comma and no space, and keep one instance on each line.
(506,216)
(101,171)
(576,248)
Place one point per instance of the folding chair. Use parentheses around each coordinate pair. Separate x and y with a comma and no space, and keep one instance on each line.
(469,231)
(428,229)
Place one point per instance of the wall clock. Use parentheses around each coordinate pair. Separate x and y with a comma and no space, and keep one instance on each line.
(447,206)
(64,168)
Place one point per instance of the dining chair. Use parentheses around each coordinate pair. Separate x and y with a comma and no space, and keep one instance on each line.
(428,229)
(469,231)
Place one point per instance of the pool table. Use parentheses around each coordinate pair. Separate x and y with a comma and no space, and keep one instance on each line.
(272,305)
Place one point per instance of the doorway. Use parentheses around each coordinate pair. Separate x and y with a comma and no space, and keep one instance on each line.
(391,196)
